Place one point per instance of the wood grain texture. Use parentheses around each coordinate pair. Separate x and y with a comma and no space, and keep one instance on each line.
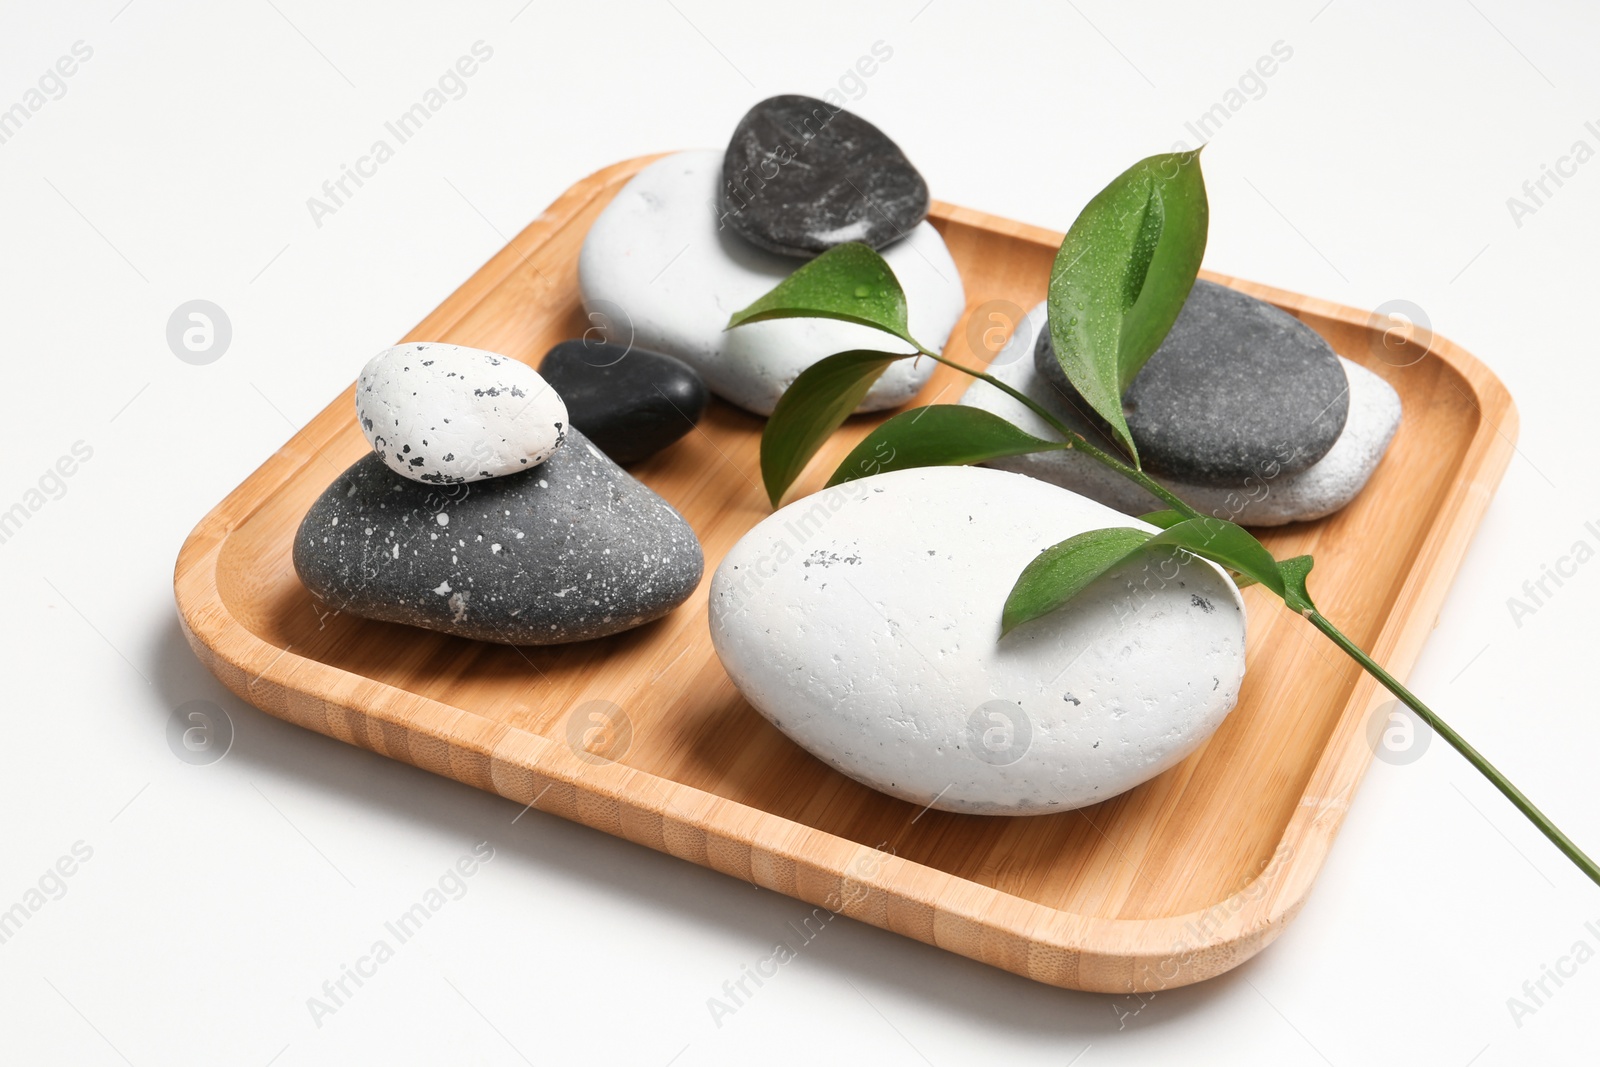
(1174,882)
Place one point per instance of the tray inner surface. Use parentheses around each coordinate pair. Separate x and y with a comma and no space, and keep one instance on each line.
(1182,842)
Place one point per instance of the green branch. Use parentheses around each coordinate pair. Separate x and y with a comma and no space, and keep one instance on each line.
(1121,278)
(1317,619)
(1459,743)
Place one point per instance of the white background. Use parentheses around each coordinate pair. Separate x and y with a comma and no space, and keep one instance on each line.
(1375,166)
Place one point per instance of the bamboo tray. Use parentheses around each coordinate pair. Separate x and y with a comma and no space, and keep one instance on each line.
(1177,881)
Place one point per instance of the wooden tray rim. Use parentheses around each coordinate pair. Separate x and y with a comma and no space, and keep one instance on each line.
(1040,942)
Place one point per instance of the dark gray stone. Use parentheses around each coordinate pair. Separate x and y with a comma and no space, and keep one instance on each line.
(574,548)
(629,401)
(801,176)
(1238,388)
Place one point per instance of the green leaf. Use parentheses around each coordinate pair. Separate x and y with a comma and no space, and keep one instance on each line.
(1162,519)
(1064,570)
(1294,573)
(1174,261)
(942,435)
(1122,275)
(850,282)
(808,412)
(1223,542)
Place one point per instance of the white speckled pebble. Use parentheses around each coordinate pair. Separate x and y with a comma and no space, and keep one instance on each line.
(864,622)
(657,271)
(1269,500)
(444,414)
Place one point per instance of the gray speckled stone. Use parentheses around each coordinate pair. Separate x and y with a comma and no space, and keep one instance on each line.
(572,549)
(1238,388)
(1266,498)
(801,176)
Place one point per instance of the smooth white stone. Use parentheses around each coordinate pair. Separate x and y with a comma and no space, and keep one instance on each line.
(1321,489)
(657,271)
(864,622)
(445,414)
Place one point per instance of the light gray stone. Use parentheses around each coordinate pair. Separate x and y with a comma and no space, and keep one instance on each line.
(864,622)
(657,270)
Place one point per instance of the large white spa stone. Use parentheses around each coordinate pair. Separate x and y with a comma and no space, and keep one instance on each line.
(445,414)
(864,622)
(1270,498)
(658,269)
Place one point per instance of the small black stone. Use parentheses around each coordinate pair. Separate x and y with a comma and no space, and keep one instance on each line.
(1238,389)
(630,402)
(801,176)
(571,549)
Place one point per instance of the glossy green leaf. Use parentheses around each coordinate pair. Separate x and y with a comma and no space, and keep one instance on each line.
(1174,261)
(1062,571)
(1293,570)
(1163,519)
(1224,542)
(808,412)
(943,435)
(1294,573)
(1066,569)
(1122,275)
(850,282)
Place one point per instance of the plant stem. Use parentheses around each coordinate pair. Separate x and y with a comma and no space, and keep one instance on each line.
(1073,438)
(1459,743)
